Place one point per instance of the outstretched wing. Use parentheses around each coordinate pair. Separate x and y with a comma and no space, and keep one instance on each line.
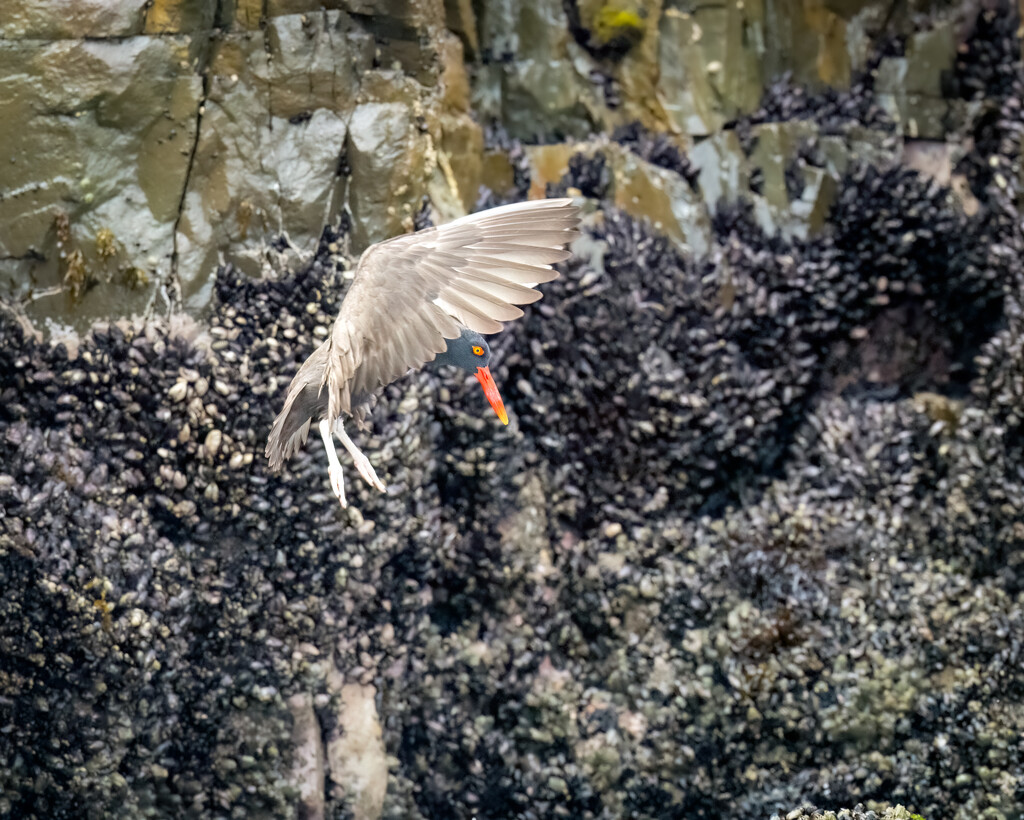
(413,292)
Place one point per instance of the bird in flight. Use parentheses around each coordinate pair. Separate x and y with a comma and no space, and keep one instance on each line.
(418,298)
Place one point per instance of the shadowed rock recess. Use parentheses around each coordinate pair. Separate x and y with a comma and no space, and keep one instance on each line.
(754,540)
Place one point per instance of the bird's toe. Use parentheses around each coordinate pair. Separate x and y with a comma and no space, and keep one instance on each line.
(338,486)
(368,473)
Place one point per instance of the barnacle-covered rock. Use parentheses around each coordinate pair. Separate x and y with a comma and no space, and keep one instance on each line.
(751,542)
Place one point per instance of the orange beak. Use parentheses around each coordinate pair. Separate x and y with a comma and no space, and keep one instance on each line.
(483,375)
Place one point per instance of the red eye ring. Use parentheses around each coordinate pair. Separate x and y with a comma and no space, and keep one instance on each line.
(477,350)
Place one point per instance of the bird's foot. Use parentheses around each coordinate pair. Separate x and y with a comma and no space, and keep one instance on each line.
(333,465)
(361,461)
(338,483)
(367,472)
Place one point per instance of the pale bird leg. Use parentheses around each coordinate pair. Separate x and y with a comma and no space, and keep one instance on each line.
(362,462)
(334,466)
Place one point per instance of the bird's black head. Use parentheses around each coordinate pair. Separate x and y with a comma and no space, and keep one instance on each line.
(470,352)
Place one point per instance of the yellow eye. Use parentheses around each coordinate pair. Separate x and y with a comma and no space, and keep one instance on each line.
(477,350)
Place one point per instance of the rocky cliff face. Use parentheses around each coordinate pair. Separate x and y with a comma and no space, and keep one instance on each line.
(753,540)
(146,141)
(167,136)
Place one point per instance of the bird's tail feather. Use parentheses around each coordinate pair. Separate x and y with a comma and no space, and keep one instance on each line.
(305,403)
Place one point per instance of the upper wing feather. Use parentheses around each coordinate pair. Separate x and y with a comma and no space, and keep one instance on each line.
(413,292)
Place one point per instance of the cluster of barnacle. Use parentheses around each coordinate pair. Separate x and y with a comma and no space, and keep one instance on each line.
(987,61)
(497,138)
(590,175)
(807,155)
(657,149)
(834,111)
(173,588)
(857,514)
(715,361)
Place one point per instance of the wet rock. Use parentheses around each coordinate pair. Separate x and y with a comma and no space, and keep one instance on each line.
(857,813)
(386,154)
(54,21)
(287,162)
(461,19)
(912,86)
(137,97)
(242,135)
(355,754)
(309,761)
(604,169)
(705,76)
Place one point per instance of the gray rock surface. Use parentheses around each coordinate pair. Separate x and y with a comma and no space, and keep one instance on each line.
(104,142)
(174,135)
(191,137)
